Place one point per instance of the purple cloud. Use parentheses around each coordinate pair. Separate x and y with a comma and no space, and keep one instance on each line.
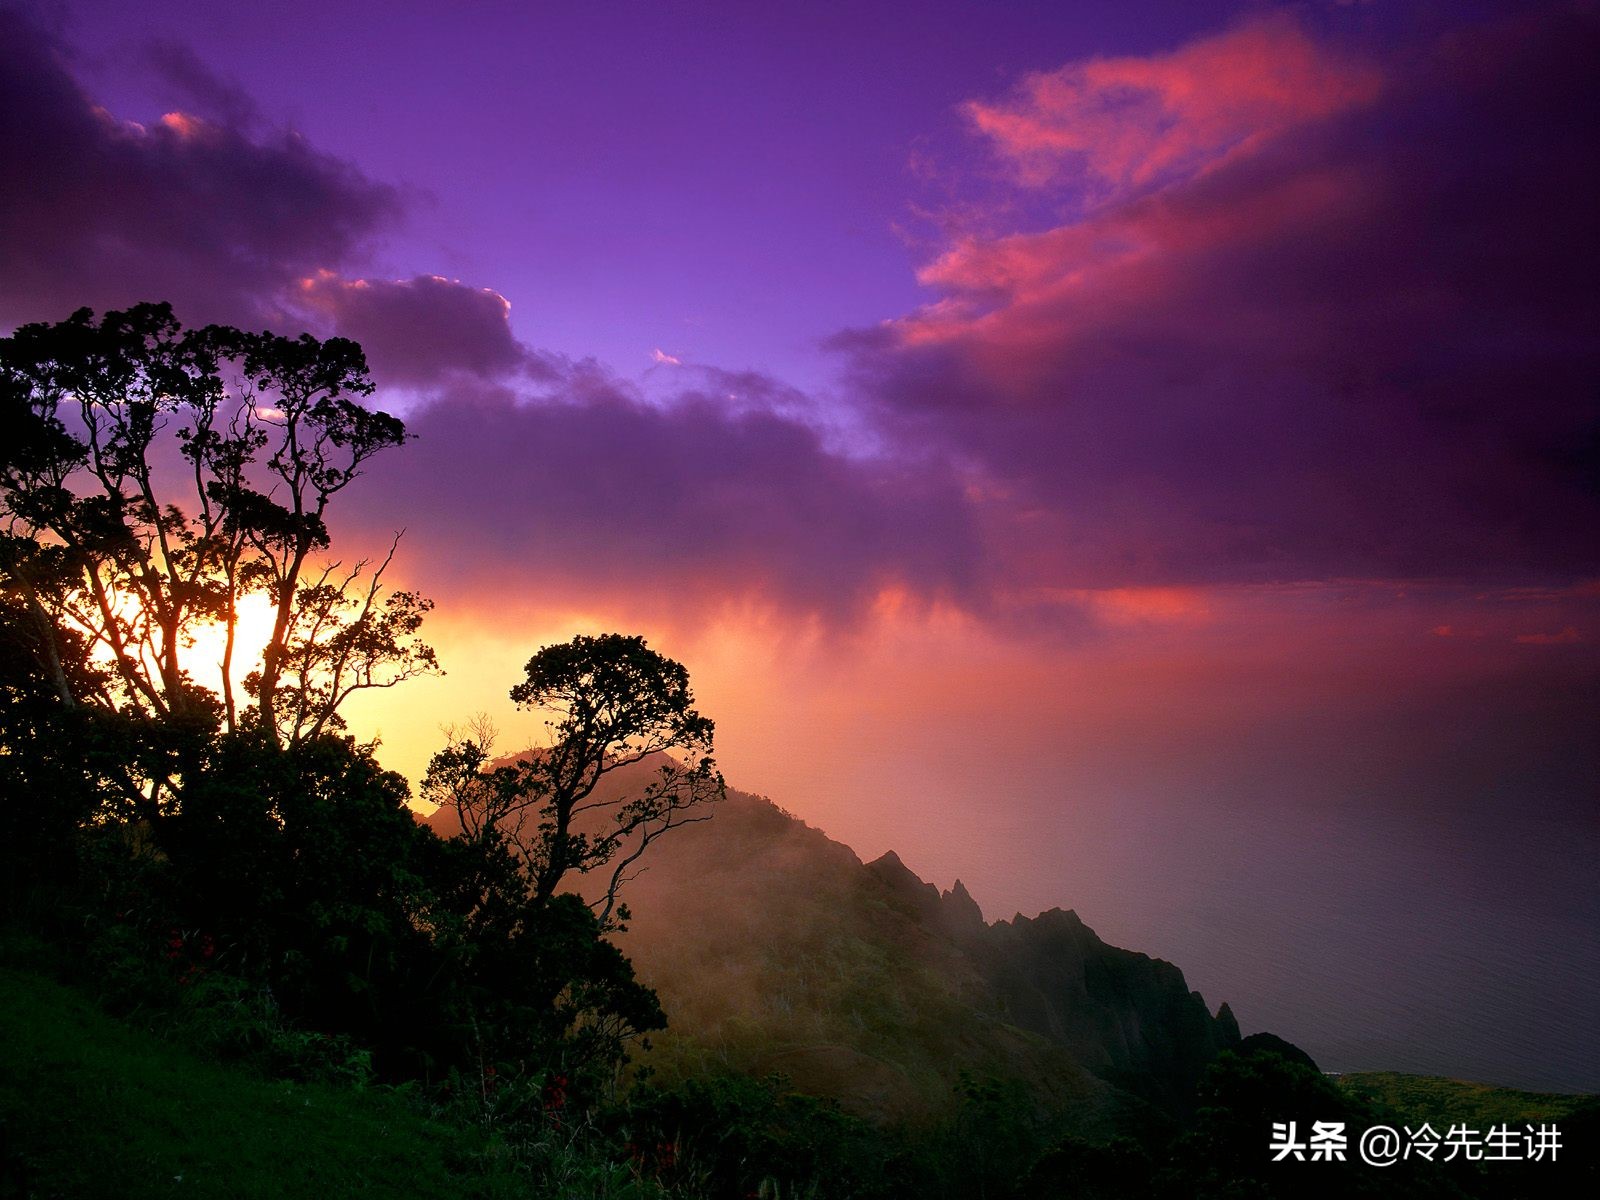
(592,493)
(1333,320)
(1357,343)
(101,212)
(420,331)
(723,493)
(197,88)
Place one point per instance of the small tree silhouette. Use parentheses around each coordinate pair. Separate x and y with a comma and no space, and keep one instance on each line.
(614,703)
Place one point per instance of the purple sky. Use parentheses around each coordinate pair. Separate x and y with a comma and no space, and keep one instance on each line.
(724,181)
(1191,407)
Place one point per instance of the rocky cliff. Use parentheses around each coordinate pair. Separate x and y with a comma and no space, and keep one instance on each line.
(777,950)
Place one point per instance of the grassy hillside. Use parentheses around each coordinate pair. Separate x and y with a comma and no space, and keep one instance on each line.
(91,1108)
(777,950)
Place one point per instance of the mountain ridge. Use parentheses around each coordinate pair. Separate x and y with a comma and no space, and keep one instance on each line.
(776,949)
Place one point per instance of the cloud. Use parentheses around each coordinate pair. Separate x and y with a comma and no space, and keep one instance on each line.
(200,89)
(228,222)
(590,496)
(197,210)
(421,331)
(720,493)
(661,358)
(1312,318)
(1566,637)
(1364,351)
(1125,122)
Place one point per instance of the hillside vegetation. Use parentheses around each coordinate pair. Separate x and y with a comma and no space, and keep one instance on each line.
(1448,1101)
(94,1108)
(255,973)
(775,949)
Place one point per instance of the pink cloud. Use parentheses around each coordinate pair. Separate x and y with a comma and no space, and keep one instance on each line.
(1129,121)
(1567,637)
(1360,351)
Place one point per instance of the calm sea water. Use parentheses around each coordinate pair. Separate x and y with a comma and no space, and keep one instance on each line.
(1415,889)
(1457,939)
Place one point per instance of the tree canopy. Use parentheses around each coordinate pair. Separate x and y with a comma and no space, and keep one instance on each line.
(180,802)
(154,477)
(613,703)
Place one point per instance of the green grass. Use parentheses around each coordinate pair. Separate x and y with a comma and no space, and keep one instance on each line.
(91,1108)
(1444,1102)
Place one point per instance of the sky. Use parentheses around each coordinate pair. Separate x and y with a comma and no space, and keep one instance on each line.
(1139,457)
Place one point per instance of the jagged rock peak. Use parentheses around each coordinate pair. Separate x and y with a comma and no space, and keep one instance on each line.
(1228,1025)
(891,870)
(959,907)
(1052,919)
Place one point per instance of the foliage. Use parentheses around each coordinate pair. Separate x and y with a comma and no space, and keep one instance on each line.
(734,1136)
(153,480)
(44,752)
(996,1129)
(1225,1151)
(1428,1098)
(1089,1170)
(302,872)
(108,425)
(530,824)
(91,1108)
(614,703)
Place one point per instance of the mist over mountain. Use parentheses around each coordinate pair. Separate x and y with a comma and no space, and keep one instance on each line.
(776,950)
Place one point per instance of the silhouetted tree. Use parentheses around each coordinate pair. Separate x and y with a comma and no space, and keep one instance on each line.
(614,703)
(153,477)
(45,751)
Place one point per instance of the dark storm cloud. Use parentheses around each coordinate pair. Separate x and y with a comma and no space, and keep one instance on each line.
(1356,343)
(592,494)
(420,331)
(102,212)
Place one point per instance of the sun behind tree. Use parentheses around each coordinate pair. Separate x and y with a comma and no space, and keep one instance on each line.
(160,486)
(157,481)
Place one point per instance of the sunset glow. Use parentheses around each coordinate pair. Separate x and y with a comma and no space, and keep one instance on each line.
(252,630)
(1137,458)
